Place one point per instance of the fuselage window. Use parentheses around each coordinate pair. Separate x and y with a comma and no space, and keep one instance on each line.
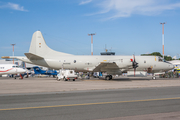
(144,61)
(74,61)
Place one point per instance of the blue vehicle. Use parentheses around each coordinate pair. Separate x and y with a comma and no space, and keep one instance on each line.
(38,70)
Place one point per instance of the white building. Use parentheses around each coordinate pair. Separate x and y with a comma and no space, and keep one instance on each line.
(176,63)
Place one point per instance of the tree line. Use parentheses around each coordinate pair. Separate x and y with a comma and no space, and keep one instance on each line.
(167,58)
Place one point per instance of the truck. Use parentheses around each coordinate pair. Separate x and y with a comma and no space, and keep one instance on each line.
(66,75)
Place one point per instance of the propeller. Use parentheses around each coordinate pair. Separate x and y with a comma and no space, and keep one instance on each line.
(134,64)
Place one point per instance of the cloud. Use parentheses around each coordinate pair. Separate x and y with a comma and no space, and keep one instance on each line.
(13,6)
(85,2)
(126,8)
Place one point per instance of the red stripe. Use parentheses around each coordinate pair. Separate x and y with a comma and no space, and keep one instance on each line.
(6,70)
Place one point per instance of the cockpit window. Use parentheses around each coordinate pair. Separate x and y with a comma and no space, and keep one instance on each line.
(160,59)
(15,66)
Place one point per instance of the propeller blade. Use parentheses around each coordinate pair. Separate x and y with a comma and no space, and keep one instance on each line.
(134,64)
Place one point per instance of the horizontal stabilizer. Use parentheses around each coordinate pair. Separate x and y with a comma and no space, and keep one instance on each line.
(5,57)
(31,56)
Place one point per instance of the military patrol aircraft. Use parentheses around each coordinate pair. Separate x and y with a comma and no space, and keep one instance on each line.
(41,54)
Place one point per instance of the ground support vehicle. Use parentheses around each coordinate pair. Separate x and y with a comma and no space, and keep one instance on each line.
(66,75)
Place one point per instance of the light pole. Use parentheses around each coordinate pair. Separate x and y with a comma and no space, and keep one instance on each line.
(163,37)
(92,42)
(13,51)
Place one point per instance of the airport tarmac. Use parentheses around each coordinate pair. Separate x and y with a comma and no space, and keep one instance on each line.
(51,85)
(161,103)
(119,99)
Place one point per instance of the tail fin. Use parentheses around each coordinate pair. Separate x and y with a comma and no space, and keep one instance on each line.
(38,47)
(37,70)
(23,65)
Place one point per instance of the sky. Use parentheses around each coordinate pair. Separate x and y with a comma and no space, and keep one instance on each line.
(125,27)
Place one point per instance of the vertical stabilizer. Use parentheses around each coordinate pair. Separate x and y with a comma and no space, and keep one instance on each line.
(39,47)
(37,70)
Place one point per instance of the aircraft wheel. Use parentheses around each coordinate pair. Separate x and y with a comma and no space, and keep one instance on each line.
(65,79)
(153,77)
(73,79)
(108,77)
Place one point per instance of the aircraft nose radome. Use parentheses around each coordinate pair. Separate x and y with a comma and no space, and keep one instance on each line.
(172,66)
(20,70)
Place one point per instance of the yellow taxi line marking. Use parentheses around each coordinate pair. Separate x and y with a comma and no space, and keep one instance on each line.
(100,103)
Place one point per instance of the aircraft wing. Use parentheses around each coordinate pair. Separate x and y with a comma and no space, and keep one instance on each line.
(112,66)
(31,56)
(104,66)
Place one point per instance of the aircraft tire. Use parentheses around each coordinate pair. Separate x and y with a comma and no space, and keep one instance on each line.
(73,79)
(108,77)
(64,79)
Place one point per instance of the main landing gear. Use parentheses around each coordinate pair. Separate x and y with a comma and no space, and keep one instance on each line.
(108,77)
